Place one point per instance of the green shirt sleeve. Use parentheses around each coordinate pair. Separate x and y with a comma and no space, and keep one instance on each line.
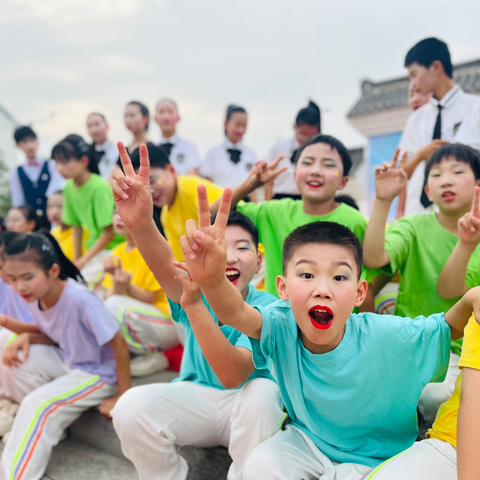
(69,216)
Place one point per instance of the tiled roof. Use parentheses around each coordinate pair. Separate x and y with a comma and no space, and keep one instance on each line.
(391,94)
(357,157)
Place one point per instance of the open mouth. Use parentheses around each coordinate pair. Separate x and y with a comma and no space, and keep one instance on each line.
(321,317)
(448,196)
(315,184)
(233,275)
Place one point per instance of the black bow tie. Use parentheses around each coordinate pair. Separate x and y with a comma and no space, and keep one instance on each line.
(167,148)
(234,154)
(294,154)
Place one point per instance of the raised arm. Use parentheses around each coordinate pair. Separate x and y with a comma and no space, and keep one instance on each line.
(457,317)
(390,181)
(451,282)
(206,259)
(260,174)
(133,201)
(232,365)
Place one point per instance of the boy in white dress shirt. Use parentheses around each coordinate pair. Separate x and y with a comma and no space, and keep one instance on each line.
(183,155)
(32,182)
(435,123)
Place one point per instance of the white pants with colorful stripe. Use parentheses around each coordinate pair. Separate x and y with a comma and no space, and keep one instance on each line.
(430,459)
(150,420)
(145,327)
(290,454)
(46,410)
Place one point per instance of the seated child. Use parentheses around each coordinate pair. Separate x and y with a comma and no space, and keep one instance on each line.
(312,340)
(34,181)
(25,219)
(88,203)
(219,397)
(419,245)
(82,372)
(60,231)
(136,300)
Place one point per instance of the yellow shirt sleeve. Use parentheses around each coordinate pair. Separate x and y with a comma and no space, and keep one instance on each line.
(445,426)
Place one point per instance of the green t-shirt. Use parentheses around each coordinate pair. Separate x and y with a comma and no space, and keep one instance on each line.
(418,246)
(90,206)
(276,219)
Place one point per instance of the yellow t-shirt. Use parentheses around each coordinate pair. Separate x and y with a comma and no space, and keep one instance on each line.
(445,426)
(65,240)
(185,207)
(133,263)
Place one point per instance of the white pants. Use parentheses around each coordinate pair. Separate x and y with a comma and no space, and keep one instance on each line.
(93,270)
(429,459)
(145,327)
(291,455)
(150,420)
(434,394)
(46,410)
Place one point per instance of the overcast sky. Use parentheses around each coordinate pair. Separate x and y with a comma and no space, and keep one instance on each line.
(61,59)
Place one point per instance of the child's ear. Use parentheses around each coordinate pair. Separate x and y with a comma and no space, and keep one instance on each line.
(361,292)
(259,262)
(85,161)
(54,271)
(282,287)
(344,182)
(170,168)
(427,191)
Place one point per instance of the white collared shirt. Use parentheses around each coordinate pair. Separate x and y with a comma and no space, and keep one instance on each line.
(469,131)
(221,170)
(33,173)
(419,132)
(284,182)
(108,160)
(184,154)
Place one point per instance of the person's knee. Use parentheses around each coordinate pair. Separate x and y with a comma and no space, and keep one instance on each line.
(259,464)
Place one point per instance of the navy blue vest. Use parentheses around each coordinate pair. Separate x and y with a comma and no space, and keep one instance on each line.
(34,192)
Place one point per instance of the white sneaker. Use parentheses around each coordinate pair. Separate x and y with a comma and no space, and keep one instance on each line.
(147,364)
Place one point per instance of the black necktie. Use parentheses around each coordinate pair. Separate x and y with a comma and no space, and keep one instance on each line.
(234,154)
(437,133)
(294,154)
(167,148)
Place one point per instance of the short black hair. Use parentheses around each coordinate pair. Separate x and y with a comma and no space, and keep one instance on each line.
(427,51)
(74,146)
(231,109)
(157,156)
(237,218)
(347,200)
(143,110)
(463,153)
(335,144)
(310,115)
(23,132)
(323,232)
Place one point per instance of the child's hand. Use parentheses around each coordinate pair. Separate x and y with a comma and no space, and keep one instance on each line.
(10,354)
(469,224)
(111,263)
(204,247)
(427,150)
(121,281)
(261,173)
(131,191)
(191,294)
(390,180)
(107,406)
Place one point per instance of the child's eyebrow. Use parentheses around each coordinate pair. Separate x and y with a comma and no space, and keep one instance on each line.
(341,263)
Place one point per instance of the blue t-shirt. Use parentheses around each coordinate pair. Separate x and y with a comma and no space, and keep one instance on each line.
(82,326)
(13,305)
(194,367)
(358,403)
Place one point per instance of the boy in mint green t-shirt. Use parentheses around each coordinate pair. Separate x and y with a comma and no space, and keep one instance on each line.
(321,168)
(419,245)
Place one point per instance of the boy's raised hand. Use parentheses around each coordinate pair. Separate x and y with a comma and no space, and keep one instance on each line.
(204,246)
(191,293)
(390,180)
(469,224)
(131,191)
(262,173)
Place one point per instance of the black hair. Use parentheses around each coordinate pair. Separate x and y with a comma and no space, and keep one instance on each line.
(310,115)
(143,110)
(74,146)
(463,153)
(427,51)
(231,109)
(157,156)
(30,214)
(237,218)
(42,249)
(101,115)
(335,144)
(2,224)
(23,132)
(322,232)
(5,238)
(347,200)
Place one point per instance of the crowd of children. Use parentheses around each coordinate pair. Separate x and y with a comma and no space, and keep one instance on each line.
(151,248)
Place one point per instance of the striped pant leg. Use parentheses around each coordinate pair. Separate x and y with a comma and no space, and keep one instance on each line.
(43,416)
(145,327)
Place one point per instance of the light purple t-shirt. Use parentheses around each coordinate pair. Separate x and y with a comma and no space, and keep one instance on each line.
(82,326)
(13,305)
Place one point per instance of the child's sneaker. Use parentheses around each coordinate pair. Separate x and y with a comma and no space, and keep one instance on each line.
(143,365)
